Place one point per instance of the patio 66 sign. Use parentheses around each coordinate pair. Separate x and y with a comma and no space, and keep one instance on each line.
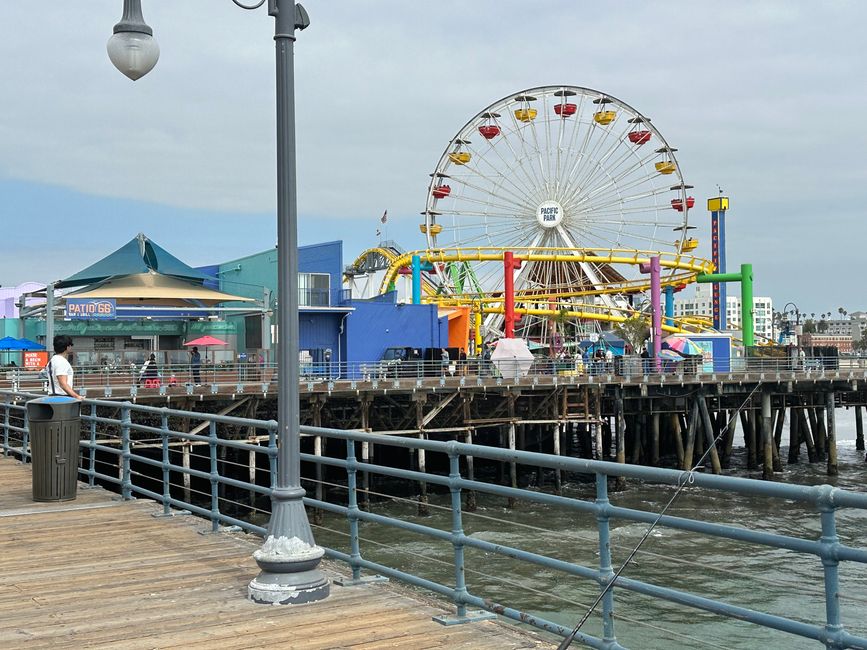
(91,309)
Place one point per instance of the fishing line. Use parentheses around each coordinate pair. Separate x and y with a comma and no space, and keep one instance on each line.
(689,480)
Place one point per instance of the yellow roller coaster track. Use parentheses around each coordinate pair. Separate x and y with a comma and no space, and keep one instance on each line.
(688,265)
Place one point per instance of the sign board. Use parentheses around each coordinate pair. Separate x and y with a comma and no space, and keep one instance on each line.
(103,343)
(35,359)
(91,309)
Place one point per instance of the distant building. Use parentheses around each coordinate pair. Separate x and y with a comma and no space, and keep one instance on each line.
(857,323)
(843,343)
(701,305)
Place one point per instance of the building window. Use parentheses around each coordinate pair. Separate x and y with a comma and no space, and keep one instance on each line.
(314,289)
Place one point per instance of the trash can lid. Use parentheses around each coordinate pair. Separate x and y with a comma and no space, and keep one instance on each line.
(53,407)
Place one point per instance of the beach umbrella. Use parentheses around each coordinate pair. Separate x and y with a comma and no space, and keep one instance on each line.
(9,343)
(682,345)
(205,341)
(27,344)
(669,355)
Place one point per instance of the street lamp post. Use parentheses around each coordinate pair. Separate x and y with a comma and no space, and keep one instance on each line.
(289,558)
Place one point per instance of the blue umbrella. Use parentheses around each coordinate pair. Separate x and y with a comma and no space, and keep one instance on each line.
(9,343)
(27,344)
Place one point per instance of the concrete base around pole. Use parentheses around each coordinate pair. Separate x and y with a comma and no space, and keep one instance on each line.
(349,581)
(470,617)
(289,573)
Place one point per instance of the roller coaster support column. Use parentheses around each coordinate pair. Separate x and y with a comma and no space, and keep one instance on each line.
(655,270)
(510,263)
(745,277)
(656,309)
(416,279)
(669,306)
(478,333)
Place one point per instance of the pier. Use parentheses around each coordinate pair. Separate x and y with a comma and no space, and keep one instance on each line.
(103,571)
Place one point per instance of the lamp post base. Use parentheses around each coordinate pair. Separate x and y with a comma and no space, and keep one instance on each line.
(289,573)
(288,588)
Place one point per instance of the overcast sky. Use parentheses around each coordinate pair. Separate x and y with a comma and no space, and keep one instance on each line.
(766,99)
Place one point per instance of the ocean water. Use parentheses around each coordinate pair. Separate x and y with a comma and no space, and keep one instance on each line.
(769,580)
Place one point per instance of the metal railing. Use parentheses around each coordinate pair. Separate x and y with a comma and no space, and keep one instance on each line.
(137,449)
(128,380)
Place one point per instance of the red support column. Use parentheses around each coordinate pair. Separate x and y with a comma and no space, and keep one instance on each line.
(510,263)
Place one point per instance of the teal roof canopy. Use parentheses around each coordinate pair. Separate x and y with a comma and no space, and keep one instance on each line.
(139,255)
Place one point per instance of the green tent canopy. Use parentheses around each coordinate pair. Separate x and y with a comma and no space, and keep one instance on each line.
(139,255)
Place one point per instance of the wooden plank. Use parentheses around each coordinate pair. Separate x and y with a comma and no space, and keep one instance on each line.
(113,575)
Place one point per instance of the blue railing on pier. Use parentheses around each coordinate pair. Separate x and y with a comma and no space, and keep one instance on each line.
(136,449)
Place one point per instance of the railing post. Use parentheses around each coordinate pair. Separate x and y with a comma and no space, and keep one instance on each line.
(167,488)
(215,477)
(606,573)
(91,456)
(830,564)
(25,437)
(352,494)
(6,425)
(457,535)
(126,479)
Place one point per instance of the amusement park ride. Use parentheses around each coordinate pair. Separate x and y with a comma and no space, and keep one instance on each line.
(541,215)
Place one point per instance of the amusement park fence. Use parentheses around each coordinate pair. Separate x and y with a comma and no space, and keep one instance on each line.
(135,448)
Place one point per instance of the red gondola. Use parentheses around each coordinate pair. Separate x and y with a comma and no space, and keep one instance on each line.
(489,131)
(677,204)
(639,136)
(441,191)
(565,110)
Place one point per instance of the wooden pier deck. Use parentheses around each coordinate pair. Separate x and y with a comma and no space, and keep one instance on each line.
(102,572)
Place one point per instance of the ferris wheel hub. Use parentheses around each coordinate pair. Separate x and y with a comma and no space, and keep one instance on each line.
(549,214)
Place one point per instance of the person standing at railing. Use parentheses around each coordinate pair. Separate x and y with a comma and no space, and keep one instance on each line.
(59,368)
(150,372)
(196,365)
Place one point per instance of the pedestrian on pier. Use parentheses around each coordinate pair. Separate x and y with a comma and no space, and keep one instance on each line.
(150,372)
(196,365)
(59,368)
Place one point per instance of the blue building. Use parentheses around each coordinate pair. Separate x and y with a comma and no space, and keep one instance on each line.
(334,328)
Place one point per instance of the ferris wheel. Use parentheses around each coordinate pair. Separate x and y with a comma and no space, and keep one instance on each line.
(556,167)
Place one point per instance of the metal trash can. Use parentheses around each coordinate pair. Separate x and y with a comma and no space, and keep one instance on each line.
(55,427)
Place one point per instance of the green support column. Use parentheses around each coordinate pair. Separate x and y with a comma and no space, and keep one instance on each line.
(747,321)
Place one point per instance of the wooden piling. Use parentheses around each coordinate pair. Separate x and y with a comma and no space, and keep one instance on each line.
(708,434)
(654,438)
(620,435)
(820,433)
(558,475)
(750,436)
(859,429)
(806,435)
(318,514)
(794,434)
(767,438)
(691,426)
(832,433)
(730,438)
(677,435)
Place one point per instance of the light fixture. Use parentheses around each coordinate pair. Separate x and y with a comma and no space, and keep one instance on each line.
(132,48)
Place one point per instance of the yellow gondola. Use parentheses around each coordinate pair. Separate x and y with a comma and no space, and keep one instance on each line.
(460,157)
(689,245)
(666,167)
(435,228)
(604,117)
(526,114)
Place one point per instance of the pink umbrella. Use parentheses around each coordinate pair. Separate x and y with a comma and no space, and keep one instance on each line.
(205,341)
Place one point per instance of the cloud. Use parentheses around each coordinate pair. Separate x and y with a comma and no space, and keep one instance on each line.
(764,98)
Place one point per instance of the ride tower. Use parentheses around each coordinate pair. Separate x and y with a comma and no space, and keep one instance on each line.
(717,207)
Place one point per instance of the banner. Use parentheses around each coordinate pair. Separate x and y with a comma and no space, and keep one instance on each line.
(91,309)
(34,359)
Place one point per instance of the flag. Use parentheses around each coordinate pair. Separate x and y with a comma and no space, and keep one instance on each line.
(384,217)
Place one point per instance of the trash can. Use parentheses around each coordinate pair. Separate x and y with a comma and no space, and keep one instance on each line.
(54,434)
